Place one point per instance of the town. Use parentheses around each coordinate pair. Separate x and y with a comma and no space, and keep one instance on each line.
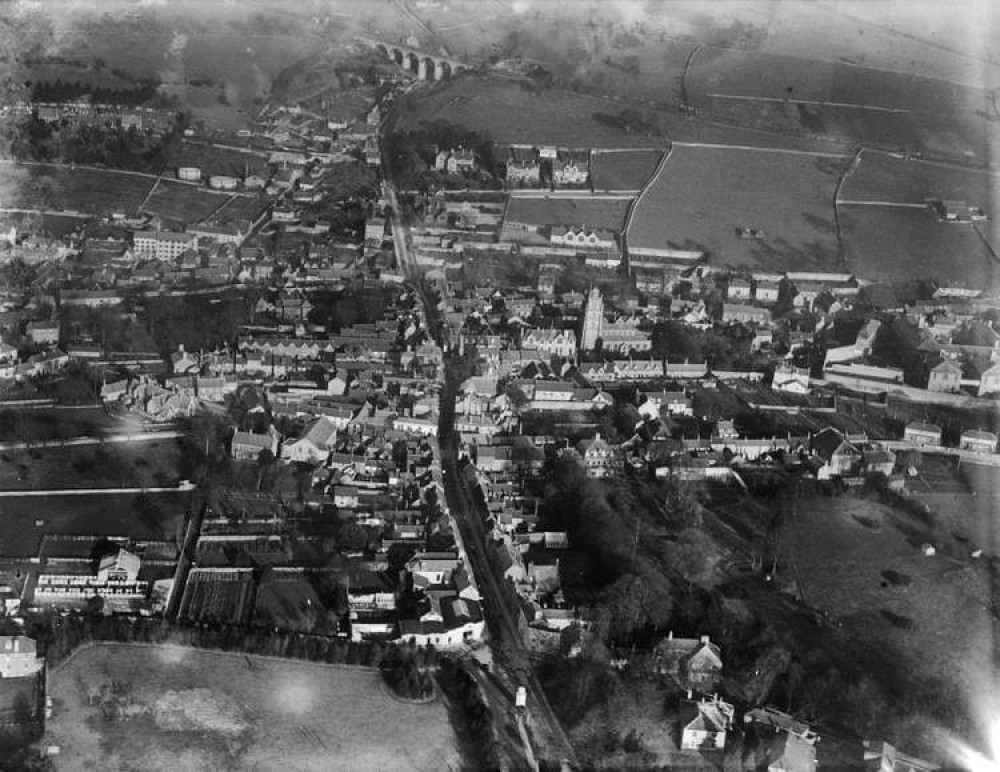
(481,426)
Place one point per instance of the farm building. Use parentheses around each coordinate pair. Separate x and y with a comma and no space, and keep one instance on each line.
(920,433)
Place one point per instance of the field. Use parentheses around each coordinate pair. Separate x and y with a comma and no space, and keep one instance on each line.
(183,202)
(861,562)
(49,423)
(53,187)
(890,244)
(703,195)
(146,464)
(627,170)
(202,710)
(881,177)
(596,213)
(216,160)
(144,516)
(872,107)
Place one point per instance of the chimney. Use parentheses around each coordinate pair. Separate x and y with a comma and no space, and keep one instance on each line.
(704,640)
(17,644)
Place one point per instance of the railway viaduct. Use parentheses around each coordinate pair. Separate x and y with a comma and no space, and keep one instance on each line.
(422,64)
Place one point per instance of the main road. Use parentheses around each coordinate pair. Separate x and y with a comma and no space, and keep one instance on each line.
(500,605)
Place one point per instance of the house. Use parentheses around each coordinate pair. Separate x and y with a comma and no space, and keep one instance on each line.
(600,458)
(778,742)
(582,237)
(183,362)
(877,460)
(247,446)
(989,382)
(920,433)
(839,456)
(19,657)
(346,497)
(739,289)
(460,161)
(315,445)
(883,757)
(43,333)
(674,402)
(767,291)
(946,376)
(704,724)
(551,342)
(523,166)
(732,312)
(430,569)
(118,566)
(569,169)
(695,663)
(794,380)
(978,441)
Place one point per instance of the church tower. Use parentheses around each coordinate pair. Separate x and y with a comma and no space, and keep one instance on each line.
(593,320)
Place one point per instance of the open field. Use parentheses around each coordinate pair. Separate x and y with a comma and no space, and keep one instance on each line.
(628,170)
(703,195)
(217,160)
(889,244)
(54,187)
(596,213)
(203,710)
(854,104)
(881,177)
(18,423)
(139,464)
(143,516)
(183,202)
(861,562)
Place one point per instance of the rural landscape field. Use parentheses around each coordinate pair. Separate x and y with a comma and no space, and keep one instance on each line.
(202,710)
(703,196)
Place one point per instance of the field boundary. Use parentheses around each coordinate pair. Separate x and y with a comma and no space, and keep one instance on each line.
(638,199)
(786,150)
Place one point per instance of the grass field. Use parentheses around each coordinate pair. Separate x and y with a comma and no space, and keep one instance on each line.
(881,177)
(596,213)
(48,423)
(91,191)
(183,202)
(201,710)
(703,195)
(861,562)
(887,244)
(146,464)
(143,516)
(628,170)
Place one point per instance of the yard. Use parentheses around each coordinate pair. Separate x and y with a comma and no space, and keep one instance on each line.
(703,196)
(861,562)
(901,245)
(24,519)
(203,710)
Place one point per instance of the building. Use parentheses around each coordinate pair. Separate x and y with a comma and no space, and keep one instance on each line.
(946,376)
(674,402)
(733,312)
(43,333)
(705,723)
(920,433)
(695,663)
(247,446)
(839,456)
(315,445)
(739,289)
(787,378)
(19,657)
(162,245)
(593,320)
(978,441)
(568,169)
(523,166)
(551,342)
(600,458)
(582,237)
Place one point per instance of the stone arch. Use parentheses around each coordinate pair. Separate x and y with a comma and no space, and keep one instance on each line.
(412,62)
(397,56)
(383,50)
(445,70)
(429,67)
